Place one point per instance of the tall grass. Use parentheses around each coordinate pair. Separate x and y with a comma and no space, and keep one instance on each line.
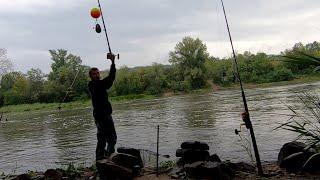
(306,121)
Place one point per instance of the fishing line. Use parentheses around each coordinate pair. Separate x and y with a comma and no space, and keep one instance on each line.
(69,90)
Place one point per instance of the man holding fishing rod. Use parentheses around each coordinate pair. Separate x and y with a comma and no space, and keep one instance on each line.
(102,109)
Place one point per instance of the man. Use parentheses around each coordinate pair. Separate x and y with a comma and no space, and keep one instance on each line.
(102,109)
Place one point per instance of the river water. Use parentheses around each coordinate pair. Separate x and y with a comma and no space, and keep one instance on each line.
(51,139)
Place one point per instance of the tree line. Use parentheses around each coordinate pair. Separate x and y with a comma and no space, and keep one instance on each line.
(191,67)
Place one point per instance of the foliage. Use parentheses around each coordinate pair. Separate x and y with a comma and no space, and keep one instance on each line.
(305,122)
(189,57)
(302,58)
(167,164)
(191,68)
(65,68)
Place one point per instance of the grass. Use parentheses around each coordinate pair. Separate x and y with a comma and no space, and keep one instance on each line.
(305,121)
(69,105)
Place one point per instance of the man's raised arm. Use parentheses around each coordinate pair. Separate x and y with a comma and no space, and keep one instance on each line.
(112,72)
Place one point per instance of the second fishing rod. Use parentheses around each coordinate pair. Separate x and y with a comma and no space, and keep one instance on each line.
(246,115)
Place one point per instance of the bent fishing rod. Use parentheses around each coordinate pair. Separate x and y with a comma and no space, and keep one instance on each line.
(95,13)
(246,116)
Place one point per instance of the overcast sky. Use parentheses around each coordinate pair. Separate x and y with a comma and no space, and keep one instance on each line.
(144,31)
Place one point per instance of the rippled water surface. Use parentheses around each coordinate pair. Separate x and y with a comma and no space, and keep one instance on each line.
(49,139)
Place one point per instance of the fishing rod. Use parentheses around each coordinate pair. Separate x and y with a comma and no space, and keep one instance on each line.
(245,115)
(96,13)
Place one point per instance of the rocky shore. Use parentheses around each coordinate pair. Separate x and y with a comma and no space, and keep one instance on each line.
(295,161)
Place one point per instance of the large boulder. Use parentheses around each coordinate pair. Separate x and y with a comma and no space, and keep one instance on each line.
(131,151)
(214,158)
(127,161)
(109,170)
(22,177)
(290,148)
(53,174)
(192,155)
(195,145)
(312,165)
(295,161)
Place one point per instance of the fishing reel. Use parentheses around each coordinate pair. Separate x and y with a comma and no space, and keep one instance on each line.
(236,131)
(246,120)
(109,56)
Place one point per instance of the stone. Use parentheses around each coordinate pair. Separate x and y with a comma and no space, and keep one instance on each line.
(125,160)
(23,177)
(180,152)
(53,174)
(214,158)
(131,151)
(176,173)
(312,165)
(192,155)
(195,145)
(294,162)
(290,148)
(109,170)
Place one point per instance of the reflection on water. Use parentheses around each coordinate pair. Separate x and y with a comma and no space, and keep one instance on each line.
(41,140)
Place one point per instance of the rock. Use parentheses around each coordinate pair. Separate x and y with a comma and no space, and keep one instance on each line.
(126,160)
(290,148)
(312,165)
(294,162)
(180,162)
(180,152)
(177,173)
(22,177)
(131,151)
(207,170)
(195,145)
(191,155)
(53,174)
(109,170)
(214,158)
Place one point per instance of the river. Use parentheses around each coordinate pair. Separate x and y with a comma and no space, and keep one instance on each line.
(50,139)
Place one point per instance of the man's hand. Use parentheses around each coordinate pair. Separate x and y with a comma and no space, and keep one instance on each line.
(111,57)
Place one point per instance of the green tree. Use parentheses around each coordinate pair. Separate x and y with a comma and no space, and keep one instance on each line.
(302,58)
(66,71)
(35,78)
(129,81)
(189,57)
(19,92)
(155,79)
(220,71)
(9,79)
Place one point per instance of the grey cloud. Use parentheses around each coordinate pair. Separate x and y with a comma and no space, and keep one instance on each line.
(144,31)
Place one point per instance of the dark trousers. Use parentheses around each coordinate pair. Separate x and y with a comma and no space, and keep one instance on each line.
(106,133)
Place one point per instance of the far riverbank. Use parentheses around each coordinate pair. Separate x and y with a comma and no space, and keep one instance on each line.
(120,99)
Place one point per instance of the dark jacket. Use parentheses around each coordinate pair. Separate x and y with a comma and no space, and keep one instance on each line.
(99,94)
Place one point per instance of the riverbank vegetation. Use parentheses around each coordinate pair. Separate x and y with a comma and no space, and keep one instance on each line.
(191,68)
